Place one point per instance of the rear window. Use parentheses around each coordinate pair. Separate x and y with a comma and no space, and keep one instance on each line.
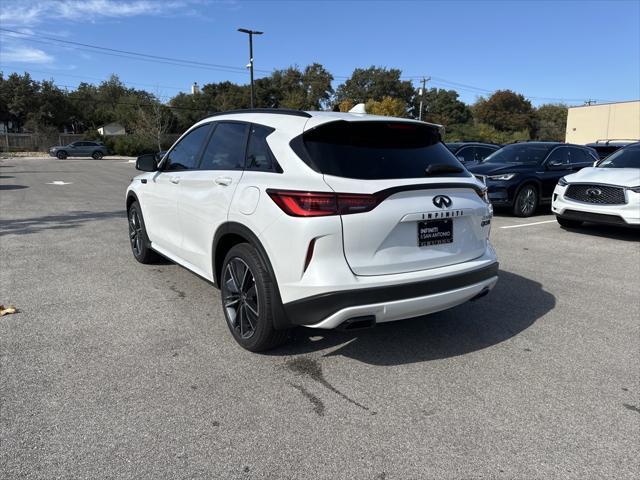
(376,150)
(604,152)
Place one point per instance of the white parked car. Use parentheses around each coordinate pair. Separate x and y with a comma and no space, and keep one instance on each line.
(608,193)
(321,219)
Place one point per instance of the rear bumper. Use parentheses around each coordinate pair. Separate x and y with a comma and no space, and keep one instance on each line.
(395,302)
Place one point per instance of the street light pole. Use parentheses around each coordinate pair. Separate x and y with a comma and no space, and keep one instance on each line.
(251,33)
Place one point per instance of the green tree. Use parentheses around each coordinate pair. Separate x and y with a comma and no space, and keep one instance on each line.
(51,108)
(390,107)
(481,132)
(188,109)
(292,88)
(375,83)
(506,111)
(551,122)
(20,95)
(316,81)
(443,107)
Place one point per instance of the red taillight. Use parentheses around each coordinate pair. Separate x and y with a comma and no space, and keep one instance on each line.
(319,204)
(355,203)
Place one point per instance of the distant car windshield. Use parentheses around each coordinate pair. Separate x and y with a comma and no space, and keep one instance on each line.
(520,154)
(624,158)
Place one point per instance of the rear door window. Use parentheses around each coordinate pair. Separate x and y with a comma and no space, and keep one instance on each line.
(376,150)
(577,156)
(226,147)
(560,156)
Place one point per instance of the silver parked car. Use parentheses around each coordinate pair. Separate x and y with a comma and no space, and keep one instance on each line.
(94,150)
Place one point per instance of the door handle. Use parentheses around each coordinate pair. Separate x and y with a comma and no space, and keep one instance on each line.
(225,181)
(175,180)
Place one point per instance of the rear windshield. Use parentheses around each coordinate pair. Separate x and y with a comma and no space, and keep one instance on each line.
(604,152)
(377,150)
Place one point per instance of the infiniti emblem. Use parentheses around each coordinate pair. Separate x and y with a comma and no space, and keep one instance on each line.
(442,201)
(594,192)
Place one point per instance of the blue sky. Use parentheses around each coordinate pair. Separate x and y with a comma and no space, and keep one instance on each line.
(546,50)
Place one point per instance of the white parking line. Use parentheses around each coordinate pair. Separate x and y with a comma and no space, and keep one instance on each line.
(529,224)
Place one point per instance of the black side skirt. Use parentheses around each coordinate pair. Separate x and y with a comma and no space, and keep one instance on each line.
(315,309)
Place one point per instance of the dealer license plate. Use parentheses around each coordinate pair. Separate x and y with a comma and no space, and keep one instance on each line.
(435,232)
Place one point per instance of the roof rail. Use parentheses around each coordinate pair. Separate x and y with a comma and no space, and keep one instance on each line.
(606,142)
(278,111)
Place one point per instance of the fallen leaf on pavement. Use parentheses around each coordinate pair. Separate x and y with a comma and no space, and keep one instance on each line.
(6,310)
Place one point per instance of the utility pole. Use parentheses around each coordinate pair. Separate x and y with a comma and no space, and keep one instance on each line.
(589,102)
(424,83)
(251,33)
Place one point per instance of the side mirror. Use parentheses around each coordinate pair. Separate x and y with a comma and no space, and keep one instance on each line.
(160,155)
(147,163)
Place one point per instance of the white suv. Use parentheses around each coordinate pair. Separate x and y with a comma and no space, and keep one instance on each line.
(321,219)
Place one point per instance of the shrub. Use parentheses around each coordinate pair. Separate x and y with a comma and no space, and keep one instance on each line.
(129,145)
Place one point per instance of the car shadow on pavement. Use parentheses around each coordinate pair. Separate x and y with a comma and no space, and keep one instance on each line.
(607,231)
(513,306)
(24,226)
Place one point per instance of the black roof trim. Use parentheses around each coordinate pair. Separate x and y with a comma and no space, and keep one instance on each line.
(277,111)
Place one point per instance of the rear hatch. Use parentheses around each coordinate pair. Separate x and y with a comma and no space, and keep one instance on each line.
(429,211)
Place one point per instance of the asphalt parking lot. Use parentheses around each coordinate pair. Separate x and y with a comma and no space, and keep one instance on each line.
(113,369)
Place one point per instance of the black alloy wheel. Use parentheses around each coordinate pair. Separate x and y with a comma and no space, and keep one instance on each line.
(526,201)
(240,297)
(135,232)
(97,155)
(140,246)
(61,155)
(250,301)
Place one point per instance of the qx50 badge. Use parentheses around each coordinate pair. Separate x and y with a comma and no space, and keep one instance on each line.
(442,201)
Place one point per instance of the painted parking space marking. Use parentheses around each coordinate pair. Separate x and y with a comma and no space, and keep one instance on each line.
(59,182)
(529,224)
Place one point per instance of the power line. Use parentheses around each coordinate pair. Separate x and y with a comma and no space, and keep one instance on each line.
(126,53)
(238,70)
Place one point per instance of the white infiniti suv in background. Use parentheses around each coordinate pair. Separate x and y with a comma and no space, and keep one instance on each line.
(321,219)
(607,193)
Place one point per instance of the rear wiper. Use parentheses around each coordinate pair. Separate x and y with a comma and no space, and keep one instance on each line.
(442,168)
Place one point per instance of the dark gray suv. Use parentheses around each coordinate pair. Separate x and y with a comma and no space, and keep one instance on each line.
(94,150)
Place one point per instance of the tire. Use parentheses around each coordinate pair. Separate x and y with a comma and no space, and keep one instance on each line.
(526,201)
(138,236)
(568,223)
(97,155)
(248,296)
(61,155)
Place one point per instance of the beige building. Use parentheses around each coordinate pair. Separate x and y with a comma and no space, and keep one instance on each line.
(606,121)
